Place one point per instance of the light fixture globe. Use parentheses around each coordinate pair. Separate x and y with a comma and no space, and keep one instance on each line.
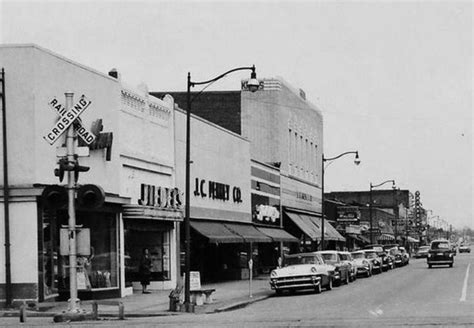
(253,83)
(357,159)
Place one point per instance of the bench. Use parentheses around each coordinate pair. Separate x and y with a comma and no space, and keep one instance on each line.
(201,296)
(95,308)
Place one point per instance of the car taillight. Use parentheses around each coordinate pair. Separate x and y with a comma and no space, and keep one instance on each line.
(313,270)
(273,274)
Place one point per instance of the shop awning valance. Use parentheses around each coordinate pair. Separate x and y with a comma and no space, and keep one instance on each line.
(385,236)
(248,232)
(278,235)
(151,213)
(216,232)
(311,226)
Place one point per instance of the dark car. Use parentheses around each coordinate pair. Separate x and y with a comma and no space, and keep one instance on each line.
(440,253)
(464,249)
(372,256)
(342,273)
(388,261)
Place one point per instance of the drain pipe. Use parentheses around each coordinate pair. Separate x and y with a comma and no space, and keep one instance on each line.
(6,200)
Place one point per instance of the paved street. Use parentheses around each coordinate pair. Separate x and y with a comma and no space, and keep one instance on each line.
(409,296)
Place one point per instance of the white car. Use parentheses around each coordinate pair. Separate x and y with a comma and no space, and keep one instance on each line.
(363,265)
(302,271)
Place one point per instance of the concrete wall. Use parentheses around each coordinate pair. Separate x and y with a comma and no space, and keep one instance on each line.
(217,155)
(270,117)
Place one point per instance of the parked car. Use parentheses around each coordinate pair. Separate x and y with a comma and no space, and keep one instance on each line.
(387,259)
(464,249)
(400,255)
(372,256)
(405,255)
(422,252)
(363,265)
(303,271)
(440,253)
(347,257)
(342,274)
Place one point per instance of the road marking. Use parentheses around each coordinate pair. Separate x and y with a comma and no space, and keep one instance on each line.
(464,287)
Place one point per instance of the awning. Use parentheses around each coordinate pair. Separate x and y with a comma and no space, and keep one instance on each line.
(305,225)
(311,226)
(151,213)
(248,232)
(277,234)
(385,236)
(216,232)
(412,240)
(363,239)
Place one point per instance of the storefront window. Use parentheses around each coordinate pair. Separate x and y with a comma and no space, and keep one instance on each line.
(151,234)
(100,268)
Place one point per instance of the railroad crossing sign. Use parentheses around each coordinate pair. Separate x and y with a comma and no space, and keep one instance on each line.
(67,117)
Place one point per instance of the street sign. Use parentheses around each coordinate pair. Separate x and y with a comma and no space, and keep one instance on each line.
(67,118)
(81,130)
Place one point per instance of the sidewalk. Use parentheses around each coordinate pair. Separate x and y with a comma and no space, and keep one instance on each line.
(228,295)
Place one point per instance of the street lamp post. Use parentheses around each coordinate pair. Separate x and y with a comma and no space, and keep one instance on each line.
(370,206)
(253,86)
(356,162)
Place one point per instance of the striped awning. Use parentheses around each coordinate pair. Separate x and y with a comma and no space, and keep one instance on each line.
(385,236)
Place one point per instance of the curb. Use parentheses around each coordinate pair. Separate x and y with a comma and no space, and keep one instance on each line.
(241,304)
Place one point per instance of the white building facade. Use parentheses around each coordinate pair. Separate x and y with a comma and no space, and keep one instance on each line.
(132,160)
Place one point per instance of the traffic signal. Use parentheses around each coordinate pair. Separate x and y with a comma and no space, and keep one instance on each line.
(91,196)
(54,197)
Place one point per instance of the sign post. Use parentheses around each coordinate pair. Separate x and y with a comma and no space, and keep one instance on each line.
(70,149)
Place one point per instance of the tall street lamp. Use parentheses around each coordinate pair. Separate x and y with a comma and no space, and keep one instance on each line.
(253,86)
(356,162)
(370,206)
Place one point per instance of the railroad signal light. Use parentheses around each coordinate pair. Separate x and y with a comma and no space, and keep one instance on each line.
(91,196)
(54,197)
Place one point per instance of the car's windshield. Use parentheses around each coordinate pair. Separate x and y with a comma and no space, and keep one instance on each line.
(439,245)
(358,255)
(329,257)
(302,259)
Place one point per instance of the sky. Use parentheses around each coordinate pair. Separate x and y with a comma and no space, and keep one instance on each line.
(392,79)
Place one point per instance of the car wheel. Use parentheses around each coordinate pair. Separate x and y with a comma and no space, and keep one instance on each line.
(450,265)
(329,286)
(429,266)
(318,288)
(278,291)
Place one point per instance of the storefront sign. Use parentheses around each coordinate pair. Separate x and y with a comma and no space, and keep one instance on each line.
(304,196)
(266,213)
(217,190)
(348,214)
(160,197)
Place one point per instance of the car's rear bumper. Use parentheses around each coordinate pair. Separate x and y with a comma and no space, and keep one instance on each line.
(440,261)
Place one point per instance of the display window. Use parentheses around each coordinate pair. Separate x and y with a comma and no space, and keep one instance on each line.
(153,235)
(96,270)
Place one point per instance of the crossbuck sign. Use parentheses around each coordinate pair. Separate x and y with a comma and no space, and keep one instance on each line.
(67,117)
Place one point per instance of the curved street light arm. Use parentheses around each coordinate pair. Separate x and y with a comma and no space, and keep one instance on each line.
(338,156)
(192,84)
(375,186)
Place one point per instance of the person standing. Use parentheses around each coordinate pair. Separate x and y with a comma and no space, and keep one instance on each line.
(145,270)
